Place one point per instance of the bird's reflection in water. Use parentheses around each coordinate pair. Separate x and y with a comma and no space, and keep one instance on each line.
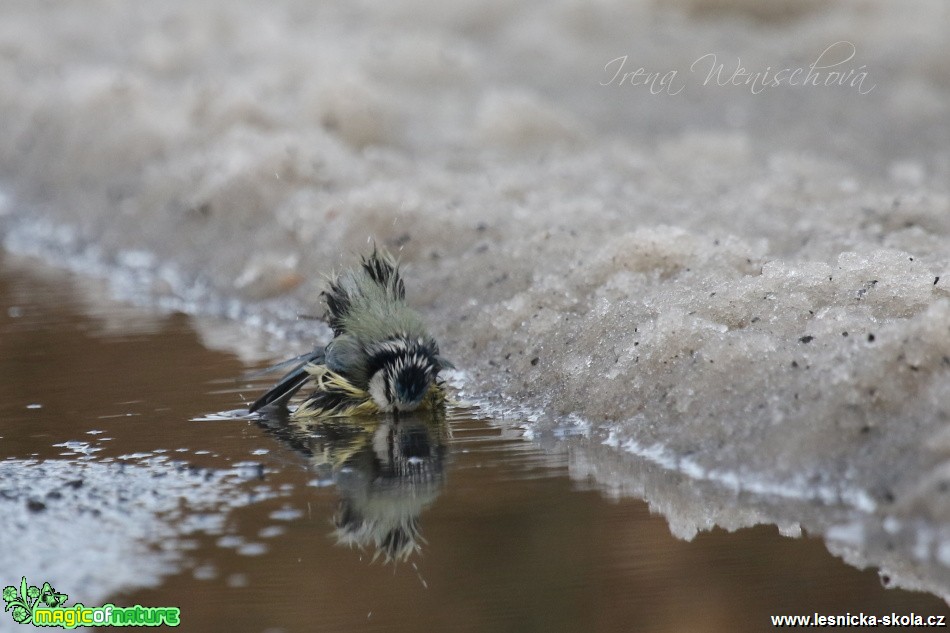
(388,470)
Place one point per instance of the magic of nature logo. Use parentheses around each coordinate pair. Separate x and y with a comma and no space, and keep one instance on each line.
(44,606)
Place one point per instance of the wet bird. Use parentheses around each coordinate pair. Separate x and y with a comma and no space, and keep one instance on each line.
(381,358)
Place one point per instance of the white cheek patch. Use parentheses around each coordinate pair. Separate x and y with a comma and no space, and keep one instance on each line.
(377,391)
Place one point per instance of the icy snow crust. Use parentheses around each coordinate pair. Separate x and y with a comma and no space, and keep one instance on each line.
(748,293)
(107,526)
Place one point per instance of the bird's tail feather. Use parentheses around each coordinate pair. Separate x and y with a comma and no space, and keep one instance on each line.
(291,382)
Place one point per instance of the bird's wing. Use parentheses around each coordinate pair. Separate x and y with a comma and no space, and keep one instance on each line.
(346,356)
(291,382)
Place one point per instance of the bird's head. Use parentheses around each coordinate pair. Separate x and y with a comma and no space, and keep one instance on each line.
(402,370)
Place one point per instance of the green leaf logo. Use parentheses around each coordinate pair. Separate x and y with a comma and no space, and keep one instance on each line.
(23,600)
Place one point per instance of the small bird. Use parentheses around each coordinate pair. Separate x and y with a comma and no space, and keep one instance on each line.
(381,358)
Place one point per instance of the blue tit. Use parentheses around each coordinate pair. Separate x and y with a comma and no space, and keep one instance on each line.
(381,358)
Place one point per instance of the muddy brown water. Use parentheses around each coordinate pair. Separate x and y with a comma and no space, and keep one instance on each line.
(498,537)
